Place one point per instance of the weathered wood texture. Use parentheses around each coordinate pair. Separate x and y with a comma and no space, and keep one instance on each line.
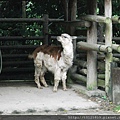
(95,18)
(78,78)
(92,55)
(95,47)
(108,41)
(116,85)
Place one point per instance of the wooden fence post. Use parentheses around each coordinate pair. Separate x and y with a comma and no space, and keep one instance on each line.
(108,41)
(92,55)
(45,28)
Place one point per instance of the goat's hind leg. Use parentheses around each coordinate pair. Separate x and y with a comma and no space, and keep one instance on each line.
(37,75)
(42,79)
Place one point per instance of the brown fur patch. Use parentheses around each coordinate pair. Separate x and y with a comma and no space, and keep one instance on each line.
(54,51)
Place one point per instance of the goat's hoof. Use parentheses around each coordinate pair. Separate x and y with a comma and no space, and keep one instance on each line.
(54,90)
(46,86)
(40,87)
(65,89)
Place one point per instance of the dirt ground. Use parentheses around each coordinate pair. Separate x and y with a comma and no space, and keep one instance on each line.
(27,99)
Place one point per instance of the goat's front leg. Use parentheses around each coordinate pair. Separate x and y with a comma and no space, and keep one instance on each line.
(37,75)
(64,77)
(56,83)
(56,80)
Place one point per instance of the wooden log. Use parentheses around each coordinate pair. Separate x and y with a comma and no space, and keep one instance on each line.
(116,55)
(10,70)
(16,38)
(116,59)
(95,18)
(80,63)
(101,65)
(19,46)
(77,23)
(14,56)
(101,76)
(94,47)
(101,56)
(17,63)
(116,19)
(100,19)
(83,71)
(21,20)
(83,64)
(116,47)
(78,77)
(73,69)
(108,42)
(92,55)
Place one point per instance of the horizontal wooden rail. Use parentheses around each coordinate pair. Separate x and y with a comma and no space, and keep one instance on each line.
(21,20)
(95,18)
(18,69)
(101,19)
(78,77)
(95,47)
(19,47)
(29,20)
(14,55)
(17,63)
(21,38)
(116,19)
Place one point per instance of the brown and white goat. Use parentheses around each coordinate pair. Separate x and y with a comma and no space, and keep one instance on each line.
(54,59)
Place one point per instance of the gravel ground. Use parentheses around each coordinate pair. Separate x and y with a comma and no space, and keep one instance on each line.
(26,99)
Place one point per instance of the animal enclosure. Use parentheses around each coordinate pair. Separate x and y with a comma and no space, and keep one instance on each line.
(96,50)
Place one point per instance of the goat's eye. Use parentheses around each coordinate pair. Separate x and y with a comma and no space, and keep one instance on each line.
(64,36)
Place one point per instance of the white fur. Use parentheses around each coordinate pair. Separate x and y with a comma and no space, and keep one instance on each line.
(59,68)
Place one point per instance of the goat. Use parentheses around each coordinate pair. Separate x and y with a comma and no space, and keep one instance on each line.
(54,59)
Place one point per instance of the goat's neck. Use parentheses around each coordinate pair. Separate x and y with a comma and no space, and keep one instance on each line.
(68,53)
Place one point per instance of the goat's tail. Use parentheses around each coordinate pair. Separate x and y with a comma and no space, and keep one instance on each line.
(30,56)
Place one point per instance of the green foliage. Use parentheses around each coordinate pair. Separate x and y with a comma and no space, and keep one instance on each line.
(117,109)
(36,9)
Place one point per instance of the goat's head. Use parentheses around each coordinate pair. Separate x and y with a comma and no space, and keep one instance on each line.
(65,39)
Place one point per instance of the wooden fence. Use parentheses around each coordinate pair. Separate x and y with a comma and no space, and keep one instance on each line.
(17,65)
(15,62)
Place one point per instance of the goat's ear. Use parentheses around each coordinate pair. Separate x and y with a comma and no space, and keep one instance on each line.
(74,37)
